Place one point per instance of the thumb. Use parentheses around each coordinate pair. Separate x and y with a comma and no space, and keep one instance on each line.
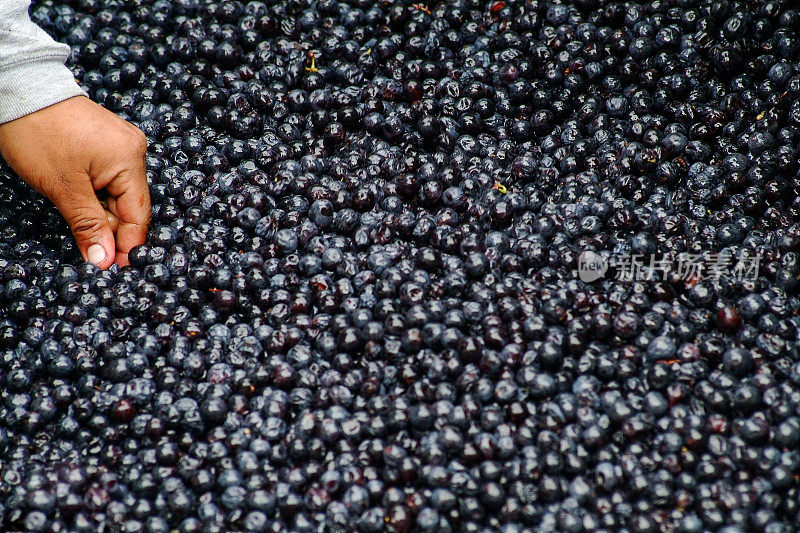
(88,221)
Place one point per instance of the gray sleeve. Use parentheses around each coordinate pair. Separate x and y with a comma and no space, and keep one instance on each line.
(32,71)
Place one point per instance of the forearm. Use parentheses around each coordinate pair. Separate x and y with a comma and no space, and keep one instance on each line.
(32,71)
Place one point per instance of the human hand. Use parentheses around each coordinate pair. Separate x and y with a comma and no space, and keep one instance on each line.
(70,150)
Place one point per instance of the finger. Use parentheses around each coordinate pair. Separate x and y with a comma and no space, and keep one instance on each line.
(113,221)
(87,219)
(129,200)
(122,259)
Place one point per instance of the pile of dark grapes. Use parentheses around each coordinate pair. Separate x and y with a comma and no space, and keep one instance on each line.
(358,308)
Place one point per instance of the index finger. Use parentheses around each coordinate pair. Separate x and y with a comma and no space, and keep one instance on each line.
(129,200)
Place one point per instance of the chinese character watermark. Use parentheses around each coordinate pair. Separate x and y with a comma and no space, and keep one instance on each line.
(690,267)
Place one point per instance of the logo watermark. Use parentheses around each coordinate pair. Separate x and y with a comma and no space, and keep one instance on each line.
(593,266)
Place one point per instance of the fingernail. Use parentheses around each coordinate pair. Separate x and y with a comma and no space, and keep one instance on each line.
(95,254)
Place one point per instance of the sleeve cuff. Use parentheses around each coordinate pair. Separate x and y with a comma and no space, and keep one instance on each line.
(29,86)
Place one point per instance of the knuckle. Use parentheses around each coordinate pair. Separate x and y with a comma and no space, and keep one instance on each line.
(138,142)
(82,221)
